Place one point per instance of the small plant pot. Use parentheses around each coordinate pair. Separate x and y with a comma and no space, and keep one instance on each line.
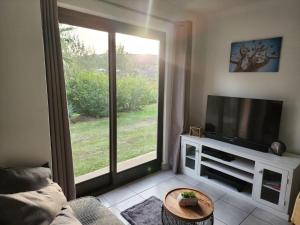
(184,202)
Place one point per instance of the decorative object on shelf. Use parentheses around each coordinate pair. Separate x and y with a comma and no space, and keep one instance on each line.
(261,55)
(277,148)
(196,131)
(187,198)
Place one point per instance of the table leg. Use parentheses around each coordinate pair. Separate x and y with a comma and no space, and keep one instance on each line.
(168,219)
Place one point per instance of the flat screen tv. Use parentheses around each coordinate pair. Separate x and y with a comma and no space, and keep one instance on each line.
(251,123)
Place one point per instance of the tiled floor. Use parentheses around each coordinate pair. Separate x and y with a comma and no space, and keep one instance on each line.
(229,210)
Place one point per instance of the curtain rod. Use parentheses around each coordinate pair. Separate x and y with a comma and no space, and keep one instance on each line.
(136,11)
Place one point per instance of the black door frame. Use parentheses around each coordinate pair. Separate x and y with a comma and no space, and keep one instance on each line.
(114,179)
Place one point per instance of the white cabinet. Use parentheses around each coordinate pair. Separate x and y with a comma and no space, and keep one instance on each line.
(271,182)
(190,157)
(270,186)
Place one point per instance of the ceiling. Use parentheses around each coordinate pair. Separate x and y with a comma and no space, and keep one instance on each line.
(193,6)
(207,6)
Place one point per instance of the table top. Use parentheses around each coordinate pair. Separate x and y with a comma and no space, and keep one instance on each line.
(198,213)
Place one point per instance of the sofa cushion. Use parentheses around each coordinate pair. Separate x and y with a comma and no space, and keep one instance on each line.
(66,217)
(13,180)
(33,207)
(90,211)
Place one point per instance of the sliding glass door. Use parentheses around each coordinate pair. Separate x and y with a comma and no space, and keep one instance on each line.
(114,83)
(137,69)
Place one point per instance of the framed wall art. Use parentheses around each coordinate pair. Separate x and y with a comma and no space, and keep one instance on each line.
(261,55)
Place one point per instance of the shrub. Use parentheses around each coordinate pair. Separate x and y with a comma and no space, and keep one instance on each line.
(133,92)
(87,93)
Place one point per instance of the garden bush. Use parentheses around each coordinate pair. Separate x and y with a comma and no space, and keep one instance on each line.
(87,93)
(133,92)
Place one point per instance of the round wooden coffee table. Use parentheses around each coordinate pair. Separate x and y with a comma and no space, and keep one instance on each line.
(172,213)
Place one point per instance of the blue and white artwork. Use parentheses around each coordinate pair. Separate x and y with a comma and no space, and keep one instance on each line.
(255,56)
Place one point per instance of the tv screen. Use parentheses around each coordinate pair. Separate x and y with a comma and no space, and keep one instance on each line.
(252,123)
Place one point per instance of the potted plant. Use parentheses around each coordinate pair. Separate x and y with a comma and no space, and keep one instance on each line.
(187,198)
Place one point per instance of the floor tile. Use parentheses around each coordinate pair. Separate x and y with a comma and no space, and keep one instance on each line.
(239,203)
(252,220)
(187,179)
(268,217)
(161,176)
(116,212)
(229,214)
(128,203)
(218,222)
(145,183)
(156,191)
(173,183)
(213,192)
(120,194)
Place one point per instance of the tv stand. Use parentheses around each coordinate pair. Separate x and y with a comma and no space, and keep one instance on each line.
(269,181)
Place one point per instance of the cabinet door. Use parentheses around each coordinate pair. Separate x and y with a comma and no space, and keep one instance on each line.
(271,184)
(190,156)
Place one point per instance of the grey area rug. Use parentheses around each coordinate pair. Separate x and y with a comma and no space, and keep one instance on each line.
(147,212)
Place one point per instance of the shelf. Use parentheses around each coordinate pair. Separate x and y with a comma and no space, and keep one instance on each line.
(245,176)
(239,163)
(191,152)
(190,157)
(271,188)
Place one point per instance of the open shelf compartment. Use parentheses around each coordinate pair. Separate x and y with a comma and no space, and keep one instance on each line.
(238,163)
(235,161)
(237,173)
(227,181)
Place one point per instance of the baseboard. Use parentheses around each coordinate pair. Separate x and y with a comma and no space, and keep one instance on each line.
(165,166)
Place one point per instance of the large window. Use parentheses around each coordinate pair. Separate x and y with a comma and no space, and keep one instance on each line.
(114,83)
(85,59)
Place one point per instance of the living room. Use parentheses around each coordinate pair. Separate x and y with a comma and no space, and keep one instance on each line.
(123,145)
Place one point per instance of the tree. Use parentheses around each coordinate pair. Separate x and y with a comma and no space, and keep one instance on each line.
(124,63)
(72,49)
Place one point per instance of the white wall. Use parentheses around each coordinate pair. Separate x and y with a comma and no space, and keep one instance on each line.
(267,19)
(199,41)
(24,130)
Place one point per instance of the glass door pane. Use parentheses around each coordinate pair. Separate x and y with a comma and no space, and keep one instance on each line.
(137,71)
(85,59)
(190,156)
(271,186)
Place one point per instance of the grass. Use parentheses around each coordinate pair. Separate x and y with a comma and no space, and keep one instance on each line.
(136,135)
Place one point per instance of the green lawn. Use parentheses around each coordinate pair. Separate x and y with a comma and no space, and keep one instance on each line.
(136,136)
